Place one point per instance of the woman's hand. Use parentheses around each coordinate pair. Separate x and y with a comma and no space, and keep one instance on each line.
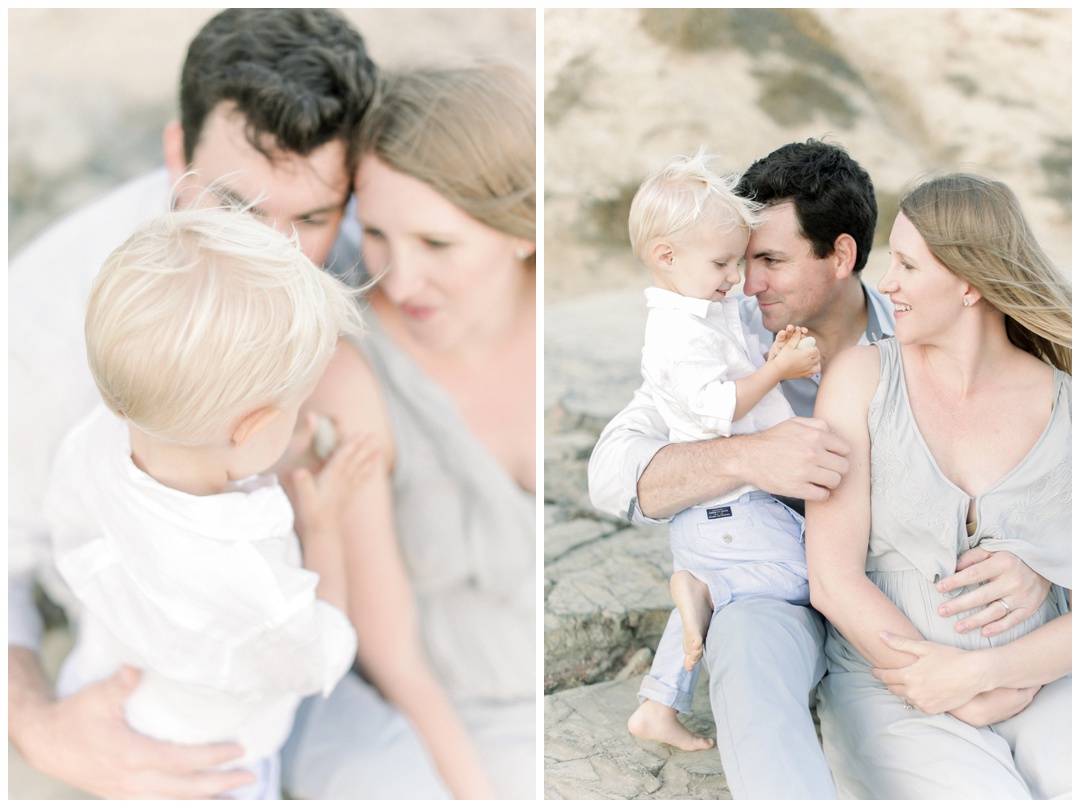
(1002,576)
(942,679)
(995,705)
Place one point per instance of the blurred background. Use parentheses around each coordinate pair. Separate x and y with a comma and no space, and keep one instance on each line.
(90,90)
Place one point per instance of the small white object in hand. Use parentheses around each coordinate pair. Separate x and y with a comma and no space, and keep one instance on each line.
(325,439)
(807,342)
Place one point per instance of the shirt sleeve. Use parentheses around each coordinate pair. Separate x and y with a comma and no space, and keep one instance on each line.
(706,394)
(626,446)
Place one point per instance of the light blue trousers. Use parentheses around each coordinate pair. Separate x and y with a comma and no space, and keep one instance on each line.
(752,546)
(354,745)
(765,658)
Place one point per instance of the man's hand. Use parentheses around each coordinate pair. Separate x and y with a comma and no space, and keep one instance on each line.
(85,741)
(800,458)
(1006,577)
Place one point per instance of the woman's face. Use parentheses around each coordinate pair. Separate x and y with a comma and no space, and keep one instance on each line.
(926,296)
(449,275)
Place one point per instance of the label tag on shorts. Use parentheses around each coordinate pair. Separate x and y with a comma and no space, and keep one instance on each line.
(718,513)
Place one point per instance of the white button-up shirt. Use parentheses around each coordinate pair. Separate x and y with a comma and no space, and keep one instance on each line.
(205,594)
(694,351)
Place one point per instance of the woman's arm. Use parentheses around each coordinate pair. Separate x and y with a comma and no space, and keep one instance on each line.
(380,601)
(944,678)
(838,528)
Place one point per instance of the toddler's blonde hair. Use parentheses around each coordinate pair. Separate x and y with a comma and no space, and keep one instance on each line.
(205,313)
(673,200)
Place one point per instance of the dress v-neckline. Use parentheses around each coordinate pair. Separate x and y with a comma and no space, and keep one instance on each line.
(933,460)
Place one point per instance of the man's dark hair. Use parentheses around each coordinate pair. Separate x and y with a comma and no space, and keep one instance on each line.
(300,77)
(832,194)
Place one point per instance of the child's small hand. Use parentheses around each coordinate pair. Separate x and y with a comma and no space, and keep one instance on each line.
(321,499)
(782,338)
(793,361)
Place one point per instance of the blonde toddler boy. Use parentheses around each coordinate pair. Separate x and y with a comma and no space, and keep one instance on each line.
(205,332)
(709,377)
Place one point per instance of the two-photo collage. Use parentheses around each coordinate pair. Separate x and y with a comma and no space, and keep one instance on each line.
(539,403)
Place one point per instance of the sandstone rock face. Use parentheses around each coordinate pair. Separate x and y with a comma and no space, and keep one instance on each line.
(905,91)
(588,753)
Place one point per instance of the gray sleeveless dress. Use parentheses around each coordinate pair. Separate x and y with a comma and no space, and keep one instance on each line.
(467,532)
(877,749)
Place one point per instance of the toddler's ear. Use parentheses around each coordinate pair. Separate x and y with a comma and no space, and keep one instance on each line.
(663,254)
(251,424)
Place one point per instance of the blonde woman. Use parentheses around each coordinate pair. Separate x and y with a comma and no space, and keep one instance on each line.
(960,429)
(440,551)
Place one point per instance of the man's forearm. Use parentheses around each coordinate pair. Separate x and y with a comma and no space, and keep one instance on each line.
(682,475)
(799,458)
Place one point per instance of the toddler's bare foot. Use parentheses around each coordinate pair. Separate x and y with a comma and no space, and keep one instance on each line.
(653,721)
(695,608)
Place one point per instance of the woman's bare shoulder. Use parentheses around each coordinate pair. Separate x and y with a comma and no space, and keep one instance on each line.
(859,362)
(350,393)
(848,383)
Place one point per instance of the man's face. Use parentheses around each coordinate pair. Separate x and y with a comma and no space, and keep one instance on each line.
(792,285)
(305,194)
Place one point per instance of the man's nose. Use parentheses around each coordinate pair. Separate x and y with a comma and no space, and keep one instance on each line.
(754,283)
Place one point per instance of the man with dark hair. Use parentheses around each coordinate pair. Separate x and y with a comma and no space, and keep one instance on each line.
(831,194)
(765,655)
(270,100)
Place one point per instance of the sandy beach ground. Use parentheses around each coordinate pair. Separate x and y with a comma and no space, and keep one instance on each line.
(90,90)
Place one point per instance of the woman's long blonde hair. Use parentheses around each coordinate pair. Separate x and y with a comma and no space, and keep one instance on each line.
(976,228)
(468,132)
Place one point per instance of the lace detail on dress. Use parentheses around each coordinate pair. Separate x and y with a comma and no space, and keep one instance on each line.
(1044,501)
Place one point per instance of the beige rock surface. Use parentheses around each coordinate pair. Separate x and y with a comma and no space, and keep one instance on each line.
(904,90)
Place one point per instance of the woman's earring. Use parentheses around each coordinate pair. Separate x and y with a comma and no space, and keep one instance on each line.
(523,253)
(966,302)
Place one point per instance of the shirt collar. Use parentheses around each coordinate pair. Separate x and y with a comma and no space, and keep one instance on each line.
(657,298)
(880,321)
